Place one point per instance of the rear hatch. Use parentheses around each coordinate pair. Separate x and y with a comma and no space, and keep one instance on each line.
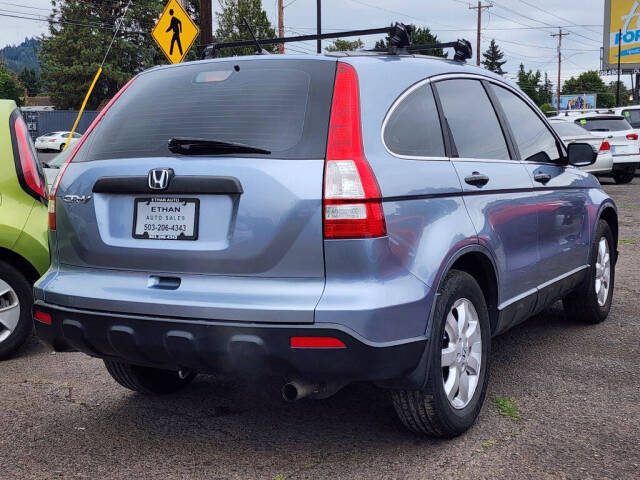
(616,130)
(230,210)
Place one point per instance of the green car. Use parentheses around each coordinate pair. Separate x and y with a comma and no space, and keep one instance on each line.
(24,252)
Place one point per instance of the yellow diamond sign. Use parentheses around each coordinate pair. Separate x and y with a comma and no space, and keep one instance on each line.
(175,32)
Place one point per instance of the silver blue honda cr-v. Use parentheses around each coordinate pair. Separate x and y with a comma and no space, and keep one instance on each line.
(327,219)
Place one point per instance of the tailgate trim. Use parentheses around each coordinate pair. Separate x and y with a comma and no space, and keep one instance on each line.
(179,184)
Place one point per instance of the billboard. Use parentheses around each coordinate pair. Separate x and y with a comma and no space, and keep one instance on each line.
(621,16)
(576,102)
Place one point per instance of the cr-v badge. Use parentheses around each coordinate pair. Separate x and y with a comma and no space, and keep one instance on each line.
(76,198)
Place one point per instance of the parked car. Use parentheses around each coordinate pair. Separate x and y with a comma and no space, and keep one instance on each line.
(341,230)
(24,254)
(631,113)
(51,168)
(622,138)
(571,132)
(55,140)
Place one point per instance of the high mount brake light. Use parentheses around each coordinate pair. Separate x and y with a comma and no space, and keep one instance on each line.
(352,203)
(29,174)
(63,168)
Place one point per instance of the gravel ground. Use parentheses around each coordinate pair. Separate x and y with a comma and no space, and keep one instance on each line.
(575,387)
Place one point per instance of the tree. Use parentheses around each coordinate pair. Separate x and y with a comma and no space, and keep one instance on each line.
(31,81)
(590,82)
(529,83)
(72,51)
(340,45)
(493,58)
(10,87)
(419,36)
(231,26)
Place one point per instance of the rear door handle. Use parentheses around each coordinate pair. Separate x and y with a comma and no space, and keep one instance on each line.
(477,179)
(542,178)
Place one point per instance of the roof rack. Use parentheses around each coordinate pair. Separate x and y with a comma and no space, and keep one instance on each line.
(398,39)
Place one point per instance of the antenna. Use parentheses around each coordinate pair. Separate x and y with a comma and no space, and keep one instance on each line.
(259,49)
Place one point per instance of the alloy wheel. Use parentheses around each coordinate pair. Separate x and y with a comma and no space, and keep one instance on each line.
(603,272)
(9,310)
(461,356)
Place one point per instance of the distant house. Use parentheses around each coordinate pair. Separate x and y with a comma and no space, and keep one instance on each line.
(39,103)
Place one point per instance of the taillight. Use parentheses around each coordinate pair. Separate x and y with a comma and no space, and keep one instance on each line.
(29,174)
(352,201)
(63,168)
(605,146)
(632,136)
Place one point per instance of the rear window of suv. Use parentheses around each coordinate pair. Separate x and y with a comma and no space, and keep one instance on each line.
(611,124)
(277,105)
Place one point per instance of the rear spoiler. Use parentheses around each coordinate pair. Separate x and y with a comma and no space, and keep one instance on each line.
(398,40)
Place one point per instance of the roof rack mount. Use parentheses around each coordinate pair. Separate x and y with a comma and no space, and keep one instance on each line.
(398,39)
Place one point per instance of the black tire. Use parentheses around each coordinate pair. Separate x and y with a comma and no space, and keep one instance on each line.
(150,381)
(23,290)
(61,148)
(428,411)
(625,174)
(582,304)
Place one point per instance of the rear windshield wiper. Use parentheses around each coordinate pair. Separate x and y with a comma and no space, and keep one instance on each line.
(203,146)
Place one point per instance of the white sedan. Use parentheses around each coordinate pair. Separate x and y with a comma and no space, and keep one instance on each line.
(54,140)
(572,132)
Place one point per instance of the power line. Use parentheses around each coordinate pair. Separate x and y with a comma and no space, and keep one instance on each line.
(25,6)
(557,16)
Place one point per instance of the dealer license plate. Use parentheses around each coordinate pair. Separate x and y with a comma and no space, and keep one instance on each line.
(166,218)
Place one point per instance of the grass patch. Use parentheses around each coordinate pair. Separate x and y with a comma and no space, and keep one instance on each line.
(280,476)
(628,241)
(507,407)
(484,446)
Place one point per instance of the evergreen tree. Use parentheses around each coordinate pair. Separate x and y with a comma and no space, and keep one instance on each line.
(72,51)
(493,58)
(231,26)
(419,36)
(31,81)
(340,45)
(10,87)
(531,83)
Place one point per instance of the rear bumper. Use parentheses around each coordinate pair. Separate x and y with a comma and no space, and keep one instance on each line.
(211,346)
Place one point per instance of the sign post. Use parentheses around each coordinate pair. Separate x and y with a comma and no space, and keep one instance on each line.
(175,32)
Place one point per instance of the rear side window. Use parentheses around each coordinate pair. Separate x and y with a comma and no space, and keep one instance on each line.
(534,140)
(413,128)
(612,124)
(633,117)
(472,120)
(277,105)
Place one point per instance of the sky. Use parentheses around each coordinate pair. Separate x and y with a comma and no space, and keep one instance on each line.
(522,28)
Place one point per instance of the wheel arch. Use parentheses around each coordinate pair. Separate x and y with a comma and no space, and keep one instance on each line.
(19,263)
(477,261)
(609,214)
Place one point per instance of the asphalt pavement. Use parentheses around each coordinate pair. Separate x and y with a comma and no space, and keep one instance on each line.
(572,392)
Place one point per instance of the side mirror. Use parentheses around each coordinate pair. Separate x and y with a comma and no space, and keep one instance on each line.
(581,154)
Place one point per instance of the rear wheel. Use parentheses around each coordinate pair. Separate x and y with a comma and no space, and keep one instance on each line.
(625,174)
(459,363)
(62,147)
(152,381)
(591,302)
(16,300)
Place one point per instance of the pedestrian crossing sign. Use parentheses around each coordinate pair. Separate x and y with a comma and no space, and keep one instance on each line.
(175,32)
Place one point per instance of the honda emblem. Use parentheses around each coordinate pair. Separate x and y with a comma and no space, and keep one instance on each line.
(159,178)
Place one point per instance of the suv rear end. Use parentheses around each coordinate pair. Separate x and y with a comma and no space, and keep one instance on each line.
(623,140)
(207,256)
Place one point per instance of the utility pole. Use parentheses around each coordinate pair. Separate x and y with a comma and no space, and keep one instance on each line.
(560,34)
(479,8)
(280,24)
(206,29)
(319,24)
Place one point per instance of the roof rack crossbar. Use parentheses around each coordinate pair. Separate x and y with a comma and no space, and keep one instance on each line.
(398,37)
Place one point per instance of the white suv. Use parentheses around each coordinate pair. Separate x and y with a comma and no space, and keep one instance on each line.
(618,132)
